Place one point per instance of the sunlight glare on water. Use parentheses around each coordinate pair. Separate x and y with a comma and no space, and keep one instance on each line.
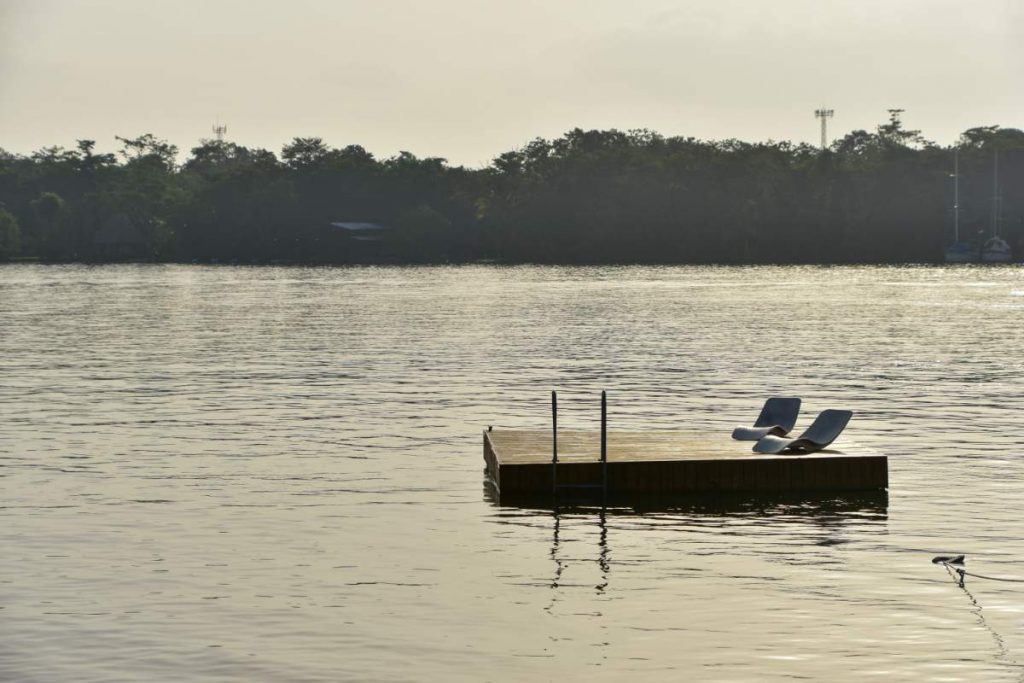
(232,473)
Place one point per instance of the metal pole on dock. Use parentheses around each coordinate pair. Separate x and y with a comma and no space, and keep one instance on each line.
(554,443)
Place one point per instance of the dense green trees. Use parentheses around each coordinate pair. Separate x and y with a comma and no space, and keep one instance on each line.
(10,235)
(586,197)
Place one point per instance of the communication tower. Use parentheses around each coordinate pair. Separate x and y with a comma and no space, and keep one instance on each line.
(824,115)
(894,116)
(219,130)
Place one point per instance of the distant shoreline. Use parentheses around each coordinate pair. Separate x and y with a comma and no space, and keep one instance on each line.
(495,263)
(598,197)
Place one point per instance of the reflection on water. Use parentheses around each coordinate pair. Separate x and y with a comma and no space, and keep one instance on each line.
(275,474)
(830,513)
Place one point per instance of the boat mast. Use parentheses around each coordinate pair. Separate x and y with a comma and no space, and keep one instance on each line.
(995,193)
(956,194)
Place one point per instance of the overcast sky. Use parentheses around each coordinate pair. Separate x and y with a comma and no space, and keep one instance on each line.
(469,79)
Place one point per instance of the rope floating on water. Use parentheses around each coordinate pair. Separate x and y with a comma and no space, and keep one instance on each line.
(992,578)
(956,564)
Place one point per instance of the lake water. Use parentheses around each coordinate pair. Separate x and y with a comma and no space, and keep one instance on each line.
(233,473)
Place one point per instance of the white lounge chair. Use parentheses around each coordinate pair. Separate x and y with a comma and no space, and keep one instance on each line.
(825,429)
(778,416)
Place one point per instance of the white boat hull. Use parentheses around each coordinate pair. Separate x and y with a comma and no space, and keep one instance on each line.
(996,250)
(996,257)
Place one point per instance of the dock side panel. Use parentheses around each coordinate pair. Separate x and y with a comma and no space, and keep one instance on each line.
(493,468)
(775,475)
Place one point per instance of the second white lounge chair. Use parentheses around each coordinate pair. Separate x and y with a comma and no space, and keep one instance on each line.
(825,429)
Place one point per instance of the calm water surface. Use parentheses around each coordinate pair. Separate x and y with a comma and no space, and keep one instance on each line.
(275,474)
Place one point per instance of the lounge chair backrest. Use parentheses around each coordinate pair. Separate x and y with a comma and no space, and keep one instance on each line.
(827,426)
(779,411)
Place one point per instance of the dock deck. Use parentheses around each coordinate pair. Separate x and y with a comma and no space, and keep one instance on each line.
(674,462)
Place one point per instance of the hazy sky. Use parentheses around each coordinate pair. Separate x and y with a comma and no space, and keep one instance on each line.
(469,79)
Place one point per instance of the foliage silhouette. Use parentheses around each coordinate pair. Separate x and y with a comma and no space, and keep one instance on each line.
(597,196)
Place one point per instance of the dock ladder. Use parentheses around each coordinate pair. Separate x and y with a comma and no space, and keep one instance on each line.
(603,486)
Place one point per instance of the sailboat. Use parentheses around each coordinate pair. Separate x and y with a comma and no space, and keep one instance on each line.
(995,249)
(958,252)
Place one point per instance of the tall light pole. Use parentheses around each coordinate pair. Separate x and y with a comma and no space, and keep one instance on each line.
(824,115)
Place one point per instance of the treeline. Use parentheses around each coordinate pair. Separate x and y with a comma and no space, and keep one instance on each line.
(587,197)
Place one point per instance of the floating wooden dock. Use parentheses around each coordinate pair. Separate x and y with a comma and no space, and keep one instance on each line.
(673,462)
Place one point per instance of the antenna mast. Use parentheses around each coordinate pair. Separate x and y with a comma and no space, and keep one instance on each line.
(219,130)
(824,115)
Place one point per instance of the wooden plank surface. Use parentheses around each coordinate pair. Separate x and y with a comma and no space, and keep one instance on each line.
(515,447)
